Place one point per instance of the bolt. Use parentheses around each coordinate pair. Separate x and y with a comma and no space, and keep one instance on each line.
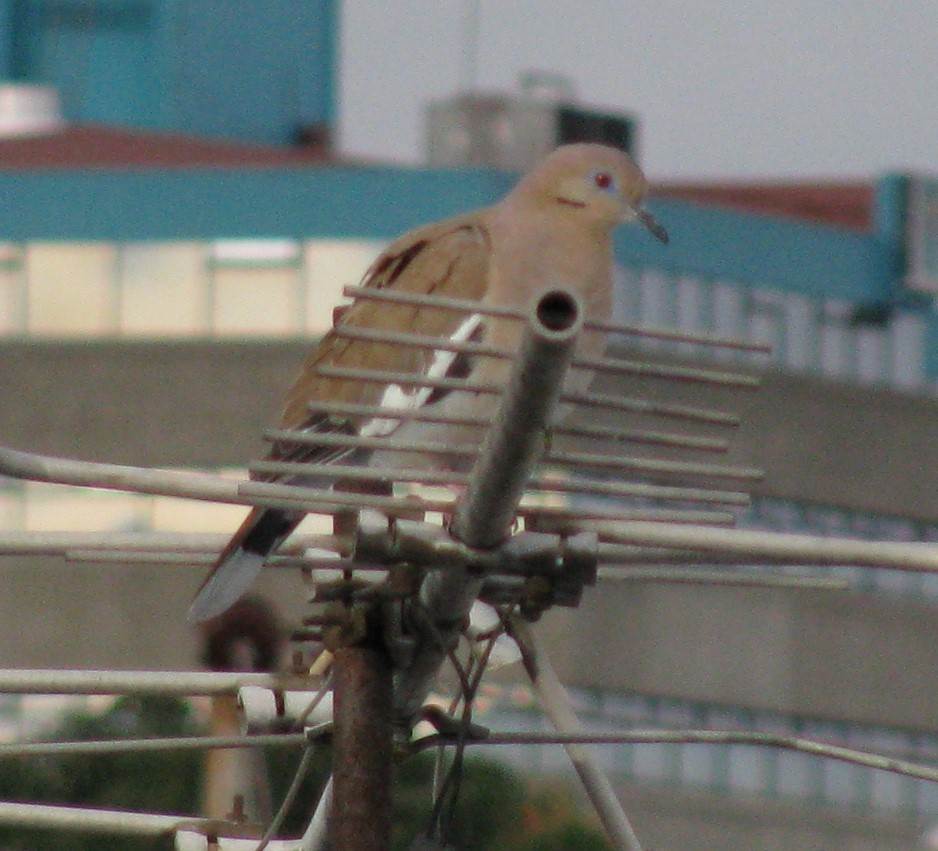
(237,813)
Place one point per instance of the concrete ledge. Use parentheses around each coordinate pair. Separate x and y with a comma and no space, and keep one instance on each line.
(855,657)
(856,447)
(678,819)
(151,403)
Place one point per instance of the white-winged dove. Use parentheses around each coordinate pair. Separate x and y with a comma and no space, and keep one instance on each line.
(554,229)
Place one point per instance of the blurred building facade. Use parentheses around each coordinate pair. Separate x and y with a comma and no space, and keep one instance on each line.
(227,70)
(157,292)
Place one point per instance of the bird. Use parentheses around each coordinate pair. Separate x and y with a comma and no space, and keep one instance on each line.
(554,228)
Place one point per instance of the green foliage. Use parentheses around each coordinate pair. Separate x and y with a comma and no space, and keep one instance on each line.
(157,782)
(496,811)
(490,797)
(281,768)
(569,836)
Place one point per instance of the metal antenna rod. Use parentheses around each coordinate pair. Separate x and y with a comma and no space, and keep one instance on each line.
(516,441)
(556,703)
(467,306)
(584,399)
(486,511)
(95,820)
(615,365)
(615,434)
(364,688)
(179,683)
(316,837)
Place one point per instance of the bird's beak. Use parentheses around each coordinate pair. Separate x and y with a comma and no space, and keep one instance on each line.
(652,224)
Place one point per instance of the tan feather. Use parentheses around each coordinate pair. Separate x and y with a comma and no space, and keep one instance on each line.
(448,259)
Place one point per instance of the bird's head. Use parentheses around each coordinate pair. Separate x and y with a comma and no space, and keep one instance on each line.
(599,183)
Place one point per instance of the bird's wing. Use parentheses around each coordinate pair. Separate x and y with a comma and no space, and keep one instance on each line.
(448,259)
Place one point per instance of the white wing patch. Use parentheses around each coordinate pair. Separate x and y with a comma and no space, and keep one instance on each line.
(396,398)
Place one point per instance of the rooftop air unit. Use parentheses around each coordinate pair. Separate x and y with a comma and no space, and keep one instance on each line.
(513,132)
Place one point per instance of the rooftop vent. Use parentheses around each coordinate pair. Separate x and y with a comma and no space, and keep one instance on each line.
(514,131)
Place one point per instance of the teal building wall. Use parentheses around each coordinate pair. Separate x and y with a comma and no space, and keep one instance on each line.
(241,69)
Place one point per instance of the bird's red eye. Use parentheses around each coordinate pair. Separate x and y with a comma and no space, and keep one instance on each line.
(602,179)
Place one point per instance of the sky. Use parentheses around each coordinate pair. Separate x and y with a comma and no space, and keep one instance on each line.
(765,88)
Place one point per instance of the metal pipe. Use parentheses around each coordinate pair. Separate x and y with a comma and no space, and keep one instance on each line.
(541,481)
(183,543)
(567,515)
(394,506)
(264,709)
(619,435)
(516,440)
(780,547)
(328,501)
(305,438)
(191,840)
(484,515)
(556,703)
(825,750)
(654,466)
(140,557)
(641,490)
(349,472)
(362,748)
(588,430)
(658,409)
(617,366)
(668,372)
(18,750)
(56,543)
(316,836)
(623,555)
(42,468)
(204,487)
(181,683)
(643,544)
(92,820)
(220,489)
(574,459)
(731,578)
(417,299)
(590,400)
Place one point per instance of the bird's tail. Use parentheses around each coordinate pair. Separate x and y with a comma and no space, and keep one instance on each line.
(262,531)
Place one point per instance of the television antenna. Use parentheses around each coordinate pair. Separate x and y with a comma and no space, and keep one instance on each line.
(531,526)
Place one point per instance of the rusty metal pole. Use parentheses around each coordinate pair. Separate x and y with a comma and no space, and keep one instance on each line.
(362,748)
(364,693)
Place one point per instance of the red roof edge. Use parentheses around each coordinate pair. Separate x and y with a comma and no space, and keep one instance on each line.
(842,204)
(98,146)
